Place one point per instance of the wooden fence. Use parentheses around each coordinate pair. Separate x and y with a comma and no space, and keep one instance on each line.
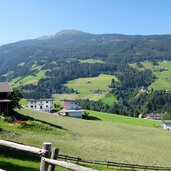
(111,164)
(49,159)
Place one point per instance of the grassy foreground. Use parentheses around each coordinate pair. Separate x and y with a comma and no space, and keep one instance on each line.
(98,140)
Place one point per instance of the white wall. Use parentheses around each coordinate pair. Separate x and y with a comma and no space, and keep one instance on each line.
(42,105)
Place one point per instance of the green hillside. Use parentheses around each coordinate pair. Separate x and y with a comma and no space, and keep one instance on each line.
(100,140)
(91,61)
(162,71)
(123,119)
(86,86)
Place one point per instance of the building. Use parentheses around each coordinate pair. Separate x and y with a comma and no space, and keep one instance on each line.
(40,104)
(5,89)
(71,109)
(167,124)
(155,116)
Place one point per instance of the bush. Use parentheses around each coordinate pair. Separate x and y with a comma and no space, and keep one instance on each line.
(85,115)
(8,119)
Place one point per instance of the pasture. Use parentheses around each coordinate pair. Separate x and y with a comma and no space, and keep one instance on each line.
(162,73)
(30,79)
(91,61)
(86,88)
(120,140)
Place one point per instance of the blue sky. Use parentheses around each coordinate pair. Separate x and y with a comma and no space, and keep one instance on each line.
(27,19)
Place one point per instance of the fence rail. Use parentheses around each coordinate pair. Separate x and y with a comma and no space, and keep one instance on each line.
(48,159)
(47,163)
(112,164)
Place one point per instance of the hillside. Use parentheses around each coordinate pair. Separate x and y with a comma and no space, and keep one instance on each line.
(43,66)
(100,140)
(90,88)
(49,54)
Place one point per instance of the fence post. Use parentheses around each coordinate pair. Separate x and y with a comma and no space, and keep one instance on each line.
(54,156)
(43,165)
(78,160)
(107,164)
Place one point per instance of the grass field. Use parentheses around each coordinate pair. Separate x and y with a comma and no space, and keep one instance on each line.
(92,61)
(85,86)
(123,119)
(30,79)
(161,82)
(120,140)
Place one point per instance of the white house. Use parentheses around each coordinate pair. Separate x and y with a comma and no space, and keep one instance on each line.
(71,109)
(167,124)
(40,104)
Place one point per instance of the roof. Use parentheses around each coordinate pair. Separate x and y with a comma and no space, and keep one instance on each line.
(5,88)
(48,99)
(4,101)
(67,100)
(65,110)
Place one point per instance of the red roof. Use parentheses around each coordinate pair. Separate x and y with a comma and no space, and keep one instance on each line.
(5,87)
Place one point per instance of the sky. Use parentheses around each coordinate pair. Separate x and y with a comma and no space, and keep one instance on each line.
(28,19)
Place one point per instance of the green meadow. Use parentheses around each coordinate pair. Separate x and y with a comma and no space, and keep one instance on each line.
(161,71)
(91,61)
(85,86)
(30,79)
(105,137)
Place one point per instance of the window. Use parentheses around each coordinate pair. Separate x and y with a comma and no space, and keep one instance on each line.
(31,101)
(31,106)
(46,101)
(47,106)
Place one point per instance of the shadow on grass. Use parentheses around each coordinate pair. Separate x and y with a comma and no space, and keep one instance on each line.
(6,152)
(14,167)
(26,118)
(93,118)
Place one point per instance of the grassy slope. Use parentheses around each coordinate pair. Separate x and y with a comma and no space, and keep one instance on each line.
(123,119)
(83,86)
(161,82)
(30,79)
(104,140)
(91,61)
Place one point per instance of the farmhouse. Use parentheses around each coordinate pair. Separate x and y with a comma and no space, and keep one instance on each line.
(71,109)
(154,116)
(167,124)
(40,104)
(5,89)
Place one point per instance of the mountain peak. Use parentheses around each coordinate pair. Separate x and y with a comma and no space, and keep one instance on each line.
(68,32)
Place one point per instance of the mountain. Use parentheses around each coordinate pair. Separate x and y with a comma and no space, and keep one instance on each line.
(40,67)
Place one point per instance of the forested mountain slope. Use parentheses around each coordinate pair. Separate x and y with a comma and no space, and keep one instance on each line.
(40,67)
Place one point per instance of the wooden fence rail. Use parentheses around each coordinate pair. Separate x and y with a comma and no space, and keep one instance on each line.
(45,152)
(23,147)
(48,164)
(114,164)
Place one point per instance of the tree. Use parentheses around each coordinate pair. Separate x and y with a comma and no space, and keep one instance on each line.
(15,97)
(166,116)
